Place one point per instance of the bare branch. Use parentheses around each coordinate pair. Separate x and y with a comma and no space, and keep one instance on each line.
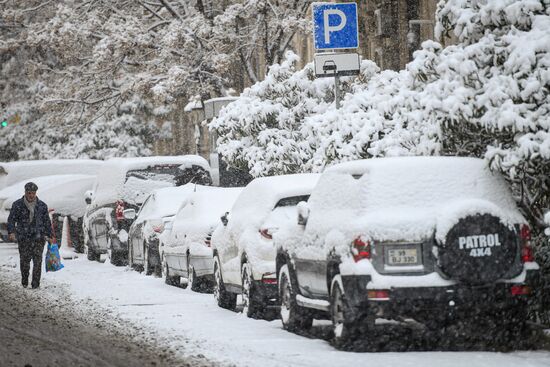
(171,10)
(152,11)
(37,7)
(72,100)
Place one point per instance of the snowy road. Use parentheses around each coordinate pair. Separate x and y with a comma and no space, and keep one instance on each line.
(192,326)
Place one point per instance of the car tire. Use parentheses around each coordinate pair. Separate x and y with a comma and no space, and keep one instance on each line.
(194,283)
(146,266)
(131,263)
(223,298)
(116,258)
(168,279)
(251,307)
(346,330)
(92,255)
(294,317)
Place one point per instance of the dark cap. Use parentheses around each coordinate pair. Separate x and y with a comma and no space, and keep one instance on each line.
(31,186)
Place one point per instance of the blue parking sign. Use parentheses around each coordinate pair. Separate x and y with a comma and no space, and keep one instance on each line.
(335,25)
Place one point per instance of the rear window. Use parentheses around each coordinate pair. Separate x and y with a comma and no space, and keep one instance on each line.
(164,172)
(291,201)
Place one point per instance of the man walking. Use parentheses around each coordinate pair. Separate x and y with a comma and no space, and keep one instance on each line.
(29,223)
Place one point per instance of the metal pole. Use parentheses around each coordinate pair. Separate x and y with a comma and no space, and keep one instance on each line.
(337,91)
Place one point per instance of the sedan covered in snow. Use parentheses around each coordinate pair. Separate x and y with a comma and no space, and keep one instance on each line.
(186,250)
(158,209)
(244,255)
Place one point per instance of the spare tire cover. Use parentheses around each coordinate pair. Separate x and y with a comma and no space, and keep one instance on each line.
(478,249)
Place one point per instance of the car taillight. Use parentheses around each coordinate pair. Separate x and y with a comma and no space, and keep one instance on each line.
(520,290)
(119,210)
(265,233)
(378,294)
(526,249)
(360,249)
(269,278)
(158,229)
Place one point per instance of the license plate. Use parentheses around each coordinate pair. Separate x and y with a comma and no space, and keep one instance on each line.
(402,256)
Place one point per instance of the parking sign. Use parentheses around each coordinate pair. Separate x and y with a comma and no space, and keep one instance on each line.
(335,26)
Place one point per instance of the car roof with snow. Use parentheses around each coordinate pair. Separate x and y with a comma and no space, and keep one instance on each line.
(212,203)
(408,197)
(168,200)
(261,195)
(112,183)
(425,181)
(63,193)
(12,172)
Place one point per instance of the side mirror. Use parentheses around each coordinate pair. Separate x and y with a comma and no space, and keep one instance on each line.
(129,214)
(303,213)
(88,196)
(224,218)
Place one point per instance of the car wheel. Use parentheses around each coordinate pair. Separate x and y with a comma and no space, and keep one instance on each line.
(91,254)
(146,265)
(223,298)
(131,255)
(251,307)
(117,259)
(170,280)
(194,283)
(294,317)
(345,329)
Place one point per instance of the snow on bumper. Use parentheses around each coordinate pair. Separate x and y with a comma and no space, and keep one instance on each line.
(433,279)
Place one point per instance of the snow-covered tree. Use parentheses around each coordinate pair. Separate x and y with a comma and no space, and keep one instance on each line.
(72,65)
(263,131)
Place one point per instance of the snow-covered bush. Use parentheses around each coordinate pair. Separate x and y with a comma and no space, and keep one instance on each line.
(261,131)
(264,131)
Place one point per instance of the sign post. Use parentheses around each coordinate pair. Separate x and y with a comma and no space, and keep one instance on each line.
(335,27)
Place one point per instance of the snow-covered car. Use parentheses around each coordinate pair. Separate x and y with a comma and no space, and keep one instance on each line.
(159,208)
(62,194)
(244,255)
(124,183)
(13,172)
(186,250)
(434,239)
(23,171)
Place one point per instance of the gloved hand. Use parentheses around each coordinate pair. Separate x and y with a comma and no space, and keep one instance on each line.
(11,237)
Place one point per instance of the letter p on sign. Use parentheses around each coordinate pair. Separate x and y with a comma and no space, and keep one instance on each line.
(335,26)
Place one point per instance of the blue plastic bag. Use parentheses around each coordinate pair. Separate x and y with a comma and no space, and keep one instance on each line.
(53,259)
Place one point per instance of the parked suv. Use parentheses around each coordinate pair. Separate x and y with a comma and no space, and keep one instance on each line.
(435,239)
(124,183)
(244,255)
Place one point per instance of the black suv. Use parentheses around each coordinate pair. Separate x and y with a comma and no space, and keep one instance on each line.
(434,239)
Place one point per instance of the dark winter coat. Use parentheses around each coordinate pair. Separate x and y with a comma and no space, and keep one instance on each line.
(18,221)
